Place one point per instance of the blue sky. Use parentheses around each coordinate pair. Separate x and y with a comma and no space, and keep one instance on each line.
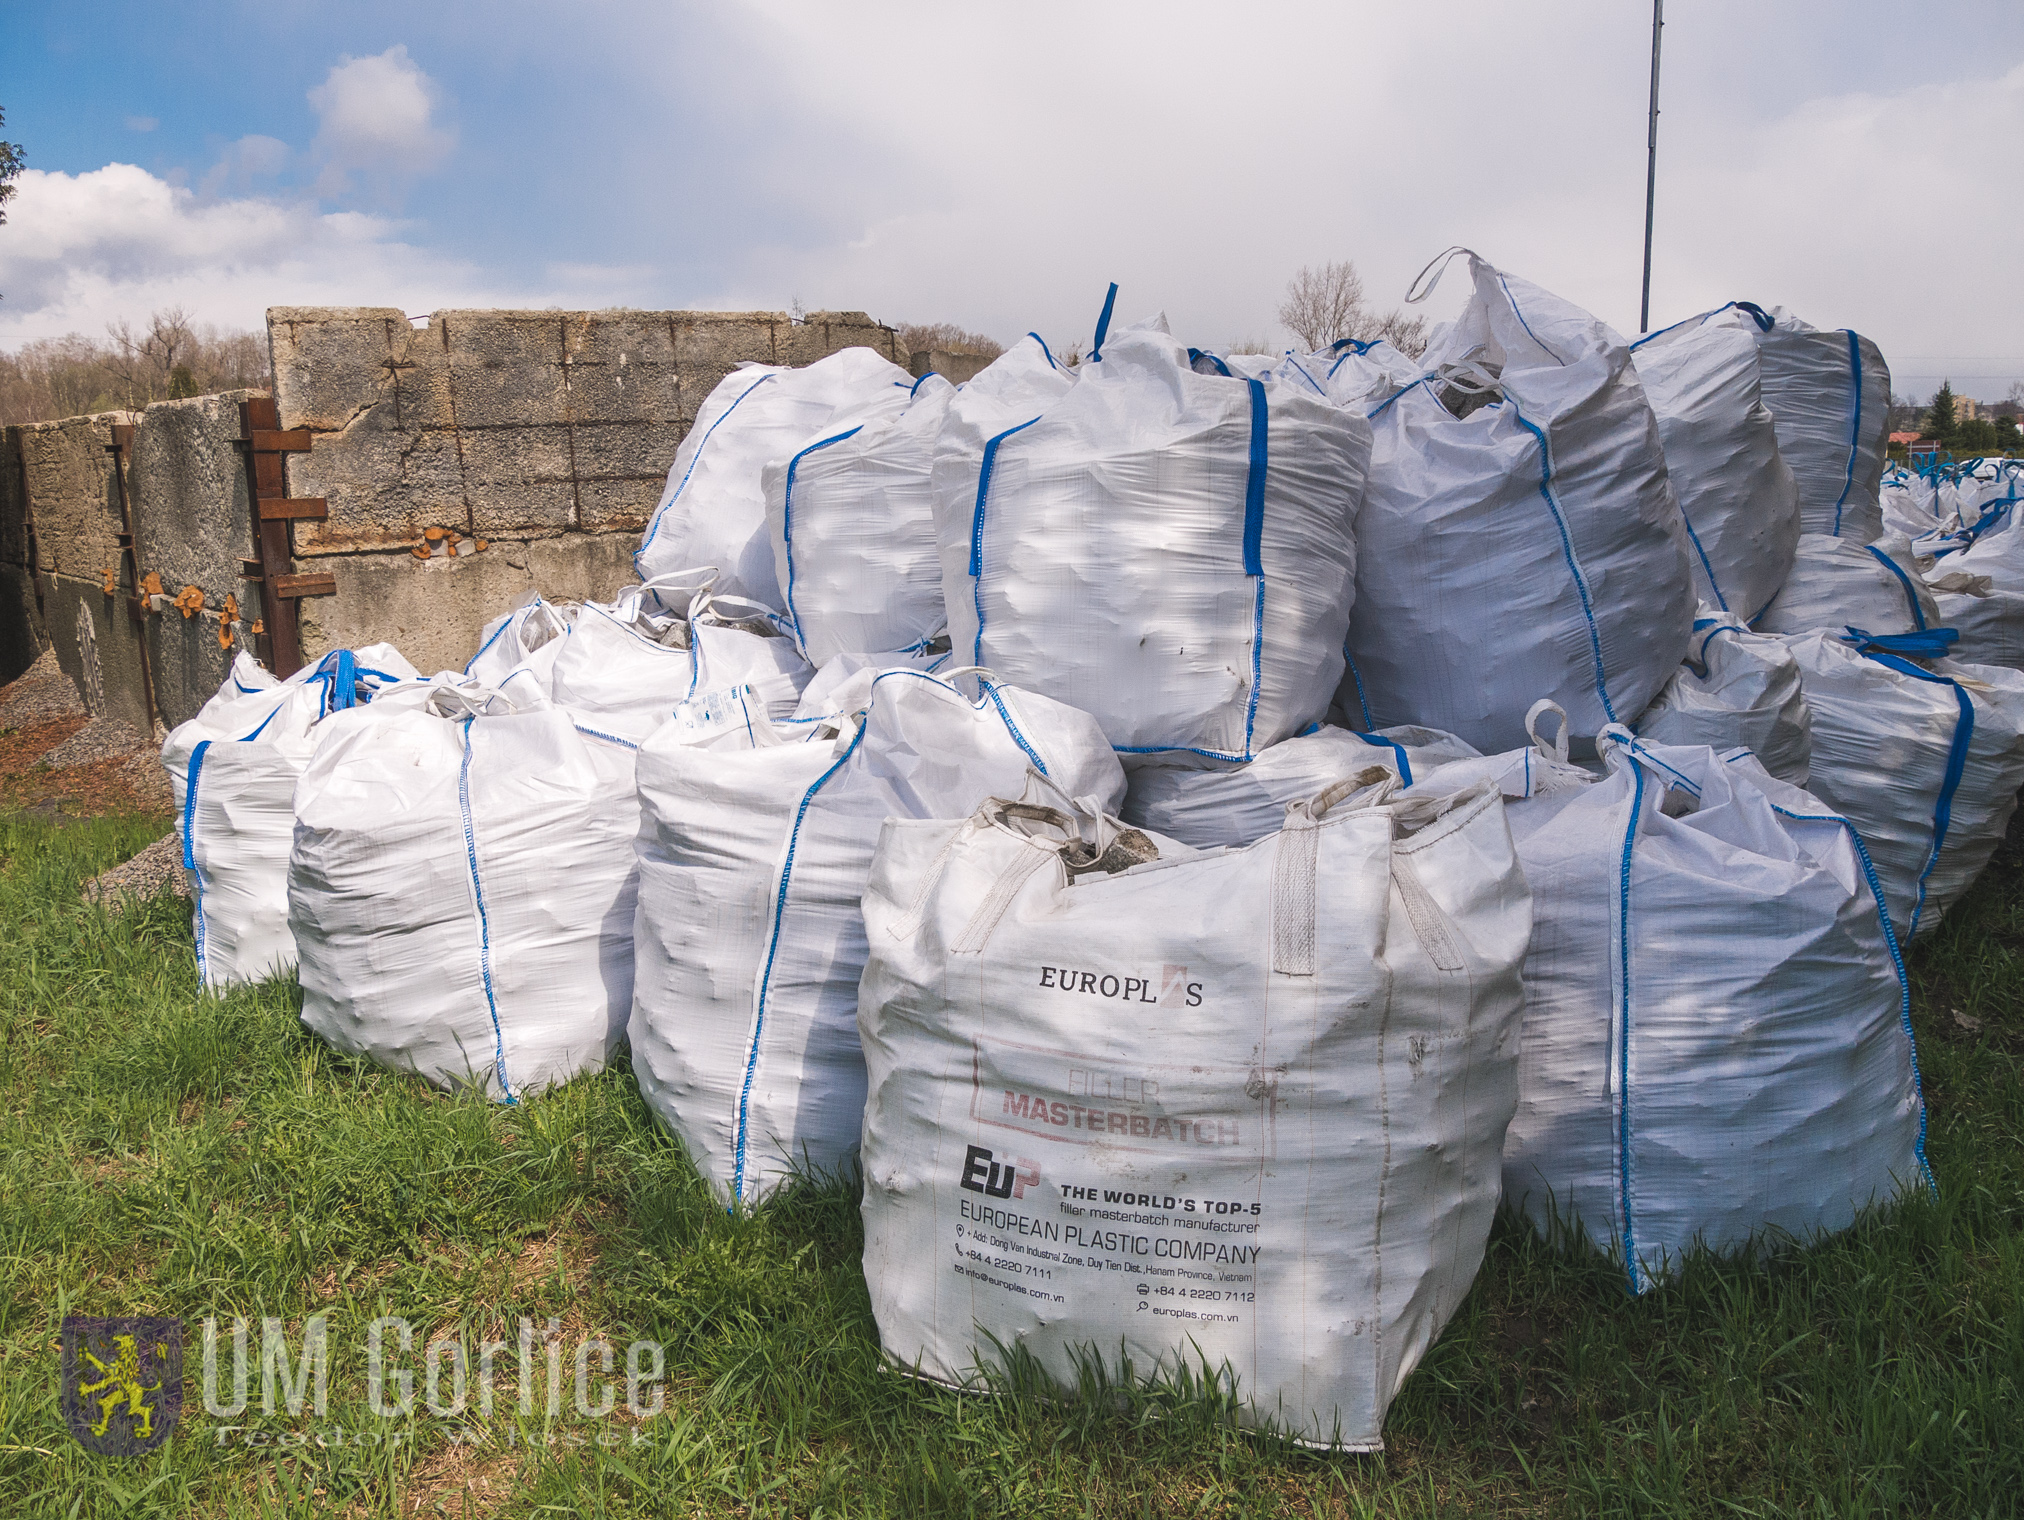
(996,166)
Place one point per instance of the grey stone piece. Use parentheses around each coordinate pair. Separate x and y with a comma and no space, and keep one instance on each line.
(99,648)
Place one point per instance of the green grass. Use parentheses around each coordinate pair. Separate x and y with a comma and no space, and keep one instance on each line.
(169,1154)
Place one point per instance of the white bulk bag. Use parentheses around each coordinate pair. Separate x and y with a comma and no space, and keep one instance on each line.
(1169,551)
(1528,548)
(852,522)
(1242,1108)
(1737,689)
(1830,393)
(1922,754)
(524,640)
(750,937)
(621,667)
(1718,1036)
(461,889)
(1238,805)
(232,769)
(1839,582)
(1906,502)
(1989,619)
(1361,373)
(1738,500)
(713,510)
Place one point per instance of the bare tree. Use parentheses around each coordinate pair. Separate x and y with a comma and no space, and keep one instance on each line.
(1325,305)
(948,338)
(168,358)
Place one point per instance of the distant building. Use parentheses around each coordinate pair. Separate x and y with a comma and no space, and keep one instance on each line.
(1967,409)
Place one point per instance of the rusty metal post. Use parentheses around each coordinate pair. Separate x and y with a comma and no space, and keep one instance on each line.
(266,448)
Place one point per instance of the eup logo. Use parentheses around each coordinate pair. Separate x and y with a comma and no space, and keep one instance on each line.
(122,1382)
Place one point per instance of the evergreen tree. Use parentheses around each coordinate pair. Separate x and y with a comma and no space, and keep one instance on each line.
(1940,424)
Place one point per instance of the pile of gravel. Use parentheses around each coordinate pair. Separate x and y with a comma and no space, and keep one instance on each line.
(159,865)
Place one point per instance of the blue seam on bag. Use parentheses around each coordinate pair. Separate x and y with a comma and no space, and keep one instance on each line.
(1319,389)
(496,632)
(1044,349)
(600,734)
(1957,764)
(190,846)
(1897,960)
(1397,749)
(1911,593)
(746,708)
(1518,312)
(1695,538)
(1855,423)
(1567,551)
(1195,354)
(1426,380)
(655,526)
(787,522)
(914,390)
(977,532)
(1013,728)
(249,738)
(484,924)
(1356,675)
(1623,1051)
(1254,545)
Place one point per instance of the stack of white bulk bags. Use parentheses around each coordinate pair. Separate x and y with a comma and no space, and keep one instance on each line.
(1360,373)
(1519,538)
(522,643)
(1907,502)
(852,522)
(1830,392)
(1838,582)
(750,936)
(1717,1044)
(713,511)
(232,770)
(1170,551)
(461,888)
(621,667)
(1240,1110)
(1737,689)
(1737,498)
(1923,755)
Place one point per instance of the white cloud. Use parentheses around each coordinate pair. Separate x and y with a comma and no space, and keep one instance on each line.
(376,119)
(251,158)
(79,250)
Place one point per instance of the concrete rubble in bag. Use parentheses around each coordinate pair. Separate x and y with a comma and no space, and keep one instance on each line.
(1837,583)
(1519,538)
(1737,689)
(621,667)
(232,771)
(1127,1108)
(1717,1046)
(1922,754)
(1170,551)
(754,851)
(1829,390)
(461,888)
(713,510)
(1738,499)
(851,518)
(1239,805)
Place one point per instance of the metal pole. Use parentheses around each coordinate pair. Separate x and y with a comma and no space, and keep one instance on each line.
(1644,313)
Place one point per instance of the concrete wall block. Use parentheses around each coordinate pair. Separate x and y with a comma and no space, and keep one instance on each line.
(433,610)
(22,634)
(13,500)
(621,367)
(505,366)
(73,494)
(383,489)
(193,513)
(99,648)
(331,363)
(187,662)
(824,332)
(518,479)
